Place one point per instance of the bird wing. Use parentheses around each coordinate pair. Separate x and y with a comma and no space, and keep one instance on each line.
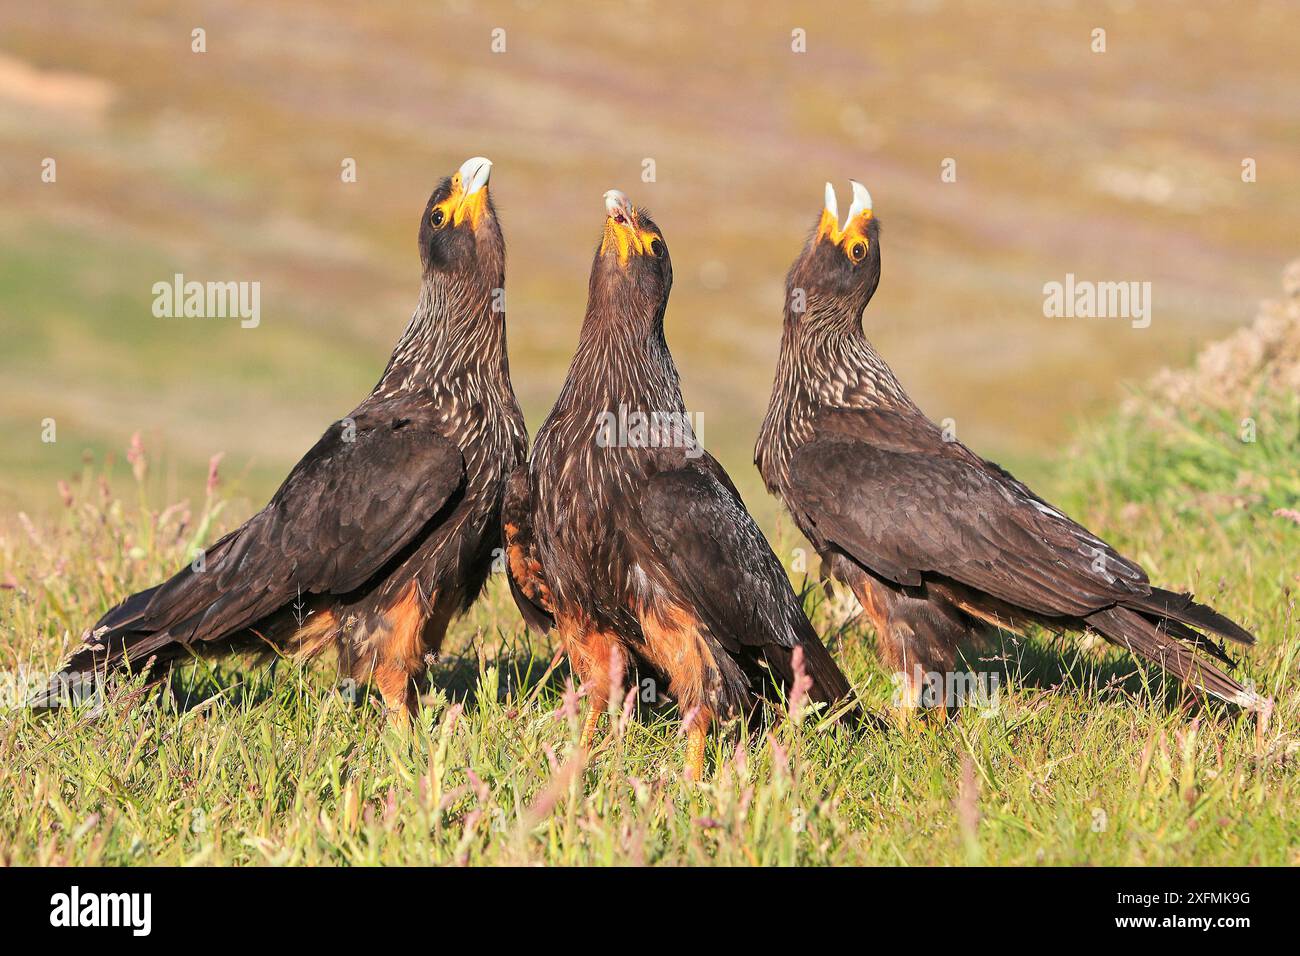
(715,554)
(523,564)
(367,489)
(886,489)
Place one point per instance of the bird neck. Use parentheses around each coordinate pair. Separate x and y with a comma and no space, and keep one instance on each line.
(621,372)
(625,362)
(457,331)
(825,361)
(827,354)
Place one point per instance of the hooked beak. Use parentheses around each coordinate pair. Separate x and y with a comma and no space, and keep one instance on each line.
(469,187)
(861,202)
(860,212)
(474,174)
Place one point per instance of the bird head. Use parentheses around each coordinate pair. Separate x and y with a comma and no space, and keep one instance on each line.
(632,258)
(459,228)
(840,263)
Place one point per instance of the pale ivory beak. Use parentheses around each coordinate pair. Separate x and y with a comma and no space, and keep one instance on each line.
(618,207)
(861,204)
(474,174)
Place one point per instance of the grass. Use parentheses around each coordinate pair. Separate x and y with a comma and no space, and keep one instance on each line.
(1086,759)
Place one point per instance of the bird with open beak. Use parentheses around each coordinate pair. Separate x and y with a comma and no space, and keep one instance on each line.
(641,552)
(386,529)
(935,541)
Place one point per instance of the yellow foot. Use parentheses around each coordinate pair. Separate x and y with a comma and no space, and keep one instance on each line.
(589,727)
(398,711)
(695,739)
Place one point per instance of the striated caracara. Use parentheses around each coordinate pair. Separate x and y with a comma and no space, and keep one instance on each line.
(934,540)
(385,530)
(640,551)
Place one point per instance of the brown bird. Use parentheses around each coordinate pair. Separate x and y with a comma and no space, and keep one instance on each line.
(385,530)
(934,540)
(630,539)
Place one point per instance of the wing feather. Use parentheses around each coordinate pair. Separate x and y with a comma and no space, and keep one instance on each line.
(714,552)
(907,503)
(361,495)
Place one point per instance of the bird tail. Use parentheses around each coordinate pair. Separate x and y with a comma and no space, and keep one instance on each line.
(1171,605)
(829,685)
(1168,641)
(153,626)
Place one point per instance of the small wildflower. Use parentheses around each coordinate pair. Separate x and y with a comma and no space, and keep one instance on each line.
(780,756)
(214,479)
(568,709)
(557,787)
(135,455)
(30,528)
(629,710)
(453,714)
(801,686)
(687,721)
(481,790)
(615,674)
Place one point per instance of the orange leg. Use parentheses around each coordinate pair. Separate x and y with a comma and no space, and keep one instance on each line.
(696,738)
(908,691)
(394,653)
(674,646)
(589,724)
(598,661)
(915,641)
(397,689)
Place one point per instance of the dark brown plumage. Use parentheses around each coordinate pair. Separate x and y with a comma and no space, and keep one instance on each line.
(384,531)
(643,552)
(934,540)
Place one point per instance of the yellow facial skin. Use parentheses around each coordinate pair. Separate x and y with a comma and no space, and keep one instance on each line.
(853,241)
(627,238)
(458,208)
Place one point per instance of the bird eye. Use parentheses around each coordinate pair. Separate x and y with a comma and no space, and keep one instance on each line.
(437,217)
(656,247)
(859,251)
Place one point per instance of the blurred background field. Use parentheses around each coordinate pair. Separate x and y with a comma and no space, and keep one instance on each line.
(226,165)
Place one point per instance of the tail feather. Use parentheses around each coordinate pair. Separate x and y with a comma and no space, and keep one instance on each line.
(1129,629)
(829,685)
(1194,638)
(147,626)
(1185,610)
(129,612)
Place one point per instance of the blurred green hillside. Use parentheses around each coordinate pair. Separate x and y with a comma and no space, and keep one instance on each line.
(1123,165)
